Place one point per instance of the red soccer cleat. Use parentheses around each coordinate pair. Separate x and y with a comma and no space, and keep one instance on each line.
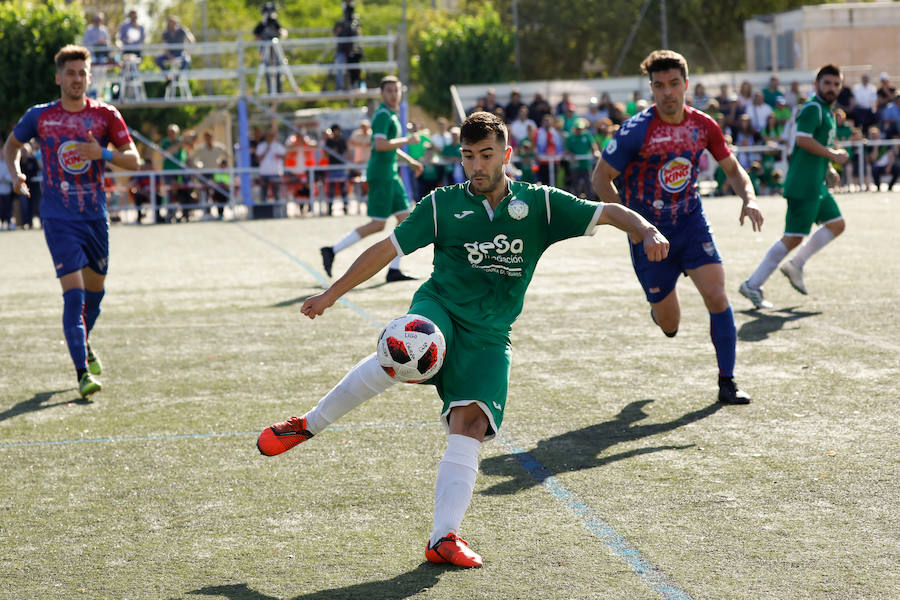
(454,550)
(283,436)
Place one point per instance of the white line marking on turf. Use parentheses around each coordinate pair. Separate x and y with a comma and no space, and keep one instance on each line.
(651,575)
(316,275)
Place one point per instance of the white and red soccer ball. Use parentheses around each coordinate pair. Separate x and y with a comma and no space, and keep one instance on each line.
(411,348)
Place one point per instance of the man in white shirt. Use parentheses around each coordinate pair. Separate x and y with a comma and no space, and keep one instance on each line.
(759,111)
(865,97)
(271,165)
(520,127)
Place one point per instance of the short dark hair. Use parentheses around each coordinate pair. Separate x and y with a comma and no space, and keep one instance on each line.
(663,60)
(71,52)
(479,125)
(388,79)
(829,69)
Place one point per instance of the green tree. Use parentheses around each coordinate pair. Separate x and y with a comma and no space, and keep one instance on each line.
(460,49)
(30,35)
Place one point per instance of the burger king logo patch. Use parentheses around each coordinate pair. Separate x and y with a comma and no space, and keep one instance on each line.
(70,160)
(675,174)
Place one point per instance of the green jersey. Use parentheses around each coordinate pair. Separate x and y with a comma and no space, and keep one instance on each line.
(806,172)
(580,144)
(385,124)
(483,258)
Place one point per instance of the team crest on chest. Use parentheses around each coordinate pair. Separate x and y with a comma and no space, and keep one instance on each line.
(517,209)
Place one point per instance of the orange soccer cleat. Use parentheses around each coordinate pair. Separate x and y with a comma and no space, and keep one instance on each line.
(454,550)
(283,436)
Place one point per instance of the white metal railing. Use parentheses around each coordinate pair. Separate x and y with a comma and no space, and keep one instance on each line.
(159,187)
(233,63)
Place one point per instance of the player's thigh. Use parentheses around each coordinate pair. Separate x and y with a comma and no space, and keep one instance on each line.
(828,209)
(657,278)
(800,216)
(399,197)
(66,245)
(710,282)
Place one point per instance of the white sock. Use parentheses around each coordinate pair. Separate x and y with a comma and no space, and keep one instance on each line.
(348,240)
(816,242)
(395,264)
(366,380)
(454,485)
(768,265)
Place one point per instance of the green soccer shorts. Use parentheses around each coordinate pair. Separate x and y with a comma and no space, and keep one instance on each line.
(476,368)
(387,197)
(801,214)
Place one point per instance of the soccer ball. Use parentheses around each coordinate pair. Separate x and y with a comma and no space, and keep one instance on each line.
(411,348)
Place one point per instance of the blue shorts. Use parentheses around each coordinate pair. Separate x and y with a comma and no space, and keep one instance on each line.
(77,244)
(691,245)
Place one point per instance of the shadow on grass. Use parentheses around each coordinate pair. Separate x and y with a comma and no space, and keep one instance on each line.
(36,403)
(405,585)
(581,449)
(769,322)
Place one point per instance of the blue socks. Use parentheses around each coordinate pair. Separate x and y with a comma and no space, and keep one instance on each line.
(724,338)
(91,308)
(73,327)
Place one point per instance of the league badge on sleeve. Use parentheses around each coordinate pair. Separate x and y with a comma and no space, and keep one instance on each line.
(517,209)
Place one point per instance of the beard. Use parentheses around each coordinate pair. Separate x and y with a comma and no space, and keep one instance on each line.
(491,182)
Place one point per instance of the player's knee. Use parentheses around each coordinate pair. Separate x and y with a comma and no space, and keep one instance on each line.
(837,227)
(468,420)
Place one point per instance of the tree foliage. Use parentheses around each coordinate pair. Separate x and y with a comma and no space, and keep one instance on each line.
(30,35)
(557,38)
(461,49)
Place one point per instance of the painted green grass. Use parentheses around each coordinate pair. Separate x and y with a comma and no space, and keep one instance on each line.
(157,491)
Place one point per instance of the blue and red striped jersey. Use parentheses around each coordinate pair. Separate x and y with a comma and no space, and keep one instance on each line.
(659,163)
(72,187)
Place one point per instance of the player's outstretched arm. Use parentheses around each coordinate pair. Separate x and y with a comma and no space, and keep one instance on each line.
(743,187)
(363,268)
(639,229)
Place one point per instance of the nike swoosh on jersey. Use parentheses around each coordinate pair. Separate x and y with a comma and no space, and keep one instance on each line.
(463,214)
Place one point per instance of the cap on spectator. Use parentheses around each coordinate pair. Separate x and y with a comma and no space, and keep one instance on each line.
(366,122)
(580,123)
(780,100)
(570,106)
(593,101)
(884,76)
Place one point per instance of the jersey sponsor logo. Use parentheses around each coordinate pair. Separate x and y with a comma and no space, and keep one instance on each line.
(463,214)
(497,254)
(675,174)
(70,160)
(661,139)
(517,209)
(496,404)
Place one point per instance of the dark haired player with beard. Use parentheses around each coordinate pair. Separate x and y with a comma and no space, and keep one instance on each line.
(488,234)
(657,152)
(805,189)
(74,132)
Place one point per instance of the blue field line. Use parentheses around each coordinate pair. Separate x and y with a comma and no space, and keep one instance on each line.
(194,436)
(316,275)
(619,546)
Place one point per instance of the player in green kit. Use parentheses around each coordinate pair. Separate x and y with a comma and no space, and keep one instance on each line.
(487,234)
(387,194)
(808,199)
